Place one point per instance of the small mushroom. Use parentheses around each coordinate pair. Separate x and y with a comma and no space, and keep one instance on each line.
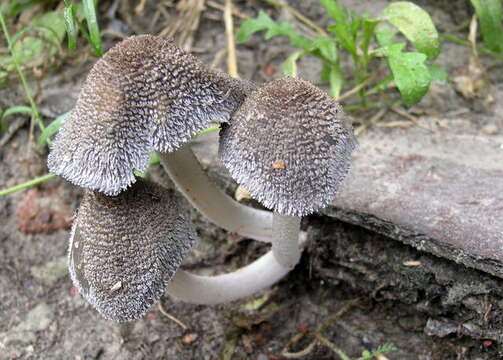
(147,94)
(124,249)
(144,94)
(289,145)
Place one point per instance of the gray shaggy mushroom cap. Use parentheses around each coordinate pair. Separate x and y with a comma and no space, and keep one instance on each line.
(145,94)
(289,145)
(124,249)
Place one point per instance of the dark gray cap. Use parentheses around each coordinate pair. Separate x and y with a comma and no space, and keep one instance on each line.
(124,249)
(289,145)
(145,94)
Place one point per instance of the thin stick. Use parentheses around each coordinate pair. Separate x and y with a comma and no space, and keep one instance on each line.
(332,346)
(371,122)
(235,12)
(232,67)
(354,90)
(302,353)
(401,111)
(171,317)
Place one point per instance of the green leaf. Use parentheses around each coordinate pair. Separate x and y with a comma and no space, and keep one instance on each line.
(335,80)
(264,22)
(385,34)
(489,13)
(344,37)
(368,28)
(327,48)
(12,111)
(325,73)
(410,73)
(336,12)
(438,74)
(70,27)
(17,110)
(92,26)
(29,49)
(415,24)
(289,66)
(51,129)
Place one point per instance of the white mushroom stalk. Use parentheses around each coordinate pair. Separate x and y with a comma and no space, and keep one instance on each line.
(193,182)
(209,290)
(289,145)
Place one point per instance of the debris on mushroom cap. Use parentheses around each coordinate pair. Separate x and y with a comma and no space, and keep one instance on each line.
(289,144)
(145,94)
(124,249)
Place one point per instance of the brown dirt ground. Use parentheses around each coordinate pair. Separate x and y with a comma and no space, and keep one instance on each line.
(438,310)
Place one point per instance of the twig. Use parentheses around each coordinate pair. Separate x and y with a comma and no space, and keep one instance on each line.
(332,346)
(403,113)
(302,353)
(235,12)
(319,338)
(171,317)
(232,67)
(187,22)
(219,57)
(140,7)
(354,90)
(372,121)
(298,15)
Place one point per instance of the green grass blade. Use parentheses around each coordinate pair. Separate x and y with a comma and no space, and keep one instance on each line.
(52,128)
(71,30)
(26,185)
(489,13)
(17,110)
(92,25)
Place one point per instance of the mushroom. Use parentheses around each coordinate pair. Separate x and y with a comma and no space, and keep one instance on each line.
(147,94)
(124,249)
(289,145)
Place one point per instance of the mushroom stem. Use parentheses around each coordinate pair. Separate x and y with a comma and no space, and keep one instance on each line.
(208,290)
(193,182)
(286,247)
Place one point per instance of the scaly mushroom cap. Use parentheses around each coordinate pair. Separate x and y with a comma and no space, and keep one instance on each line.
(289,145)
(145,94)
(124,249)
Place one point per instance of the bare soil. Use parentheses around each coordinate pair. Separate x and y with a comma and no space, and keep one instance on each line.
(428,307)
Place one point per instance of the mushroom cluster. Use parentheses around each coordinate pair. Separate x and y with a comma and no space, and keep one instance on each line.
(287,142)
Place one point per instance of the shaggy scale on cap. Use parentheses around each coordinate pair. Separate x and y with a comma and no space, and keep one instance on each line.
(124,249)
(289,145)
(145,94)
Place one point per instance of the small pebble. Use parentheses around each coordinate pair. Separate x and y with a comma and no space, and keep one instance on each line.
(490,129)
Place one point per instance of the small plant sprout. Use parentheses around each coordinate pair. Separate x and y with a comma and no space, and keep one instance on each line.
(146,94)
(289,145)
